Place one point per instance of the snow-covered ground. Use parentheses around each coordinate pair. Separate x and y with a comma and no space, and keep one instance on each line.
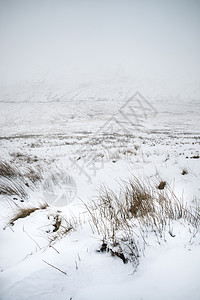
(99,150)
(85,137)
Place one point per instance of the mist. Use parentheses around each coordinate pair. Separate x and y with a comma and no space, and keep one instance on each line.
(85,40)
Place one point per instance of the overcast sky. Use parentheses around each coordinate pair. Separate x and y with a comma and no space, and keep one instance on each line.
(144,38)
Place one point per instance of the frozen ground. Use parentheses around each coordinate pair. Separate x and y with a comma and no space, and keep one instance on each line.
(97,136)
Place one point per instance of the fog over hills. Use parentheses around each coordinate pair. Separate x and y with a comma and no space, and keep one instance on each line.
(102,47)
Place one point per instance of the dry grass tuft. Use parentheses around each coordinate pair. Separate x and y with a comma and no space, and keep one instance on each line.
(33,174)
(6,170)
(23,212)
(124,218)
(13,186)
(15,182)
(61,228)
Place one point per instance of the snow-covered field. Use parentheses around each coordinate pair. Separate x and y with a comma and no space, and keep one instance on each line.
(99,150)
(64,146)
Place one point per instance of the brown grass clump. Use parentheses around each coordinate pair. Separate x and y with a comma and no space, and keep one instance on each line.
(136,208)
(23,212)
(16,183)
(11,186)
(6,170)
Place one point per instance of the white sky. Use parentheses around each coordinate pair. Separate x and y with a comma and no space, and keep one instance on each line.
(145,38)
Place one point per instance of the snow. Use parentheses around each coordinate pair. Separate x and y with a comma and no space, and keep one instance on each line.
(93,94)
(157,150)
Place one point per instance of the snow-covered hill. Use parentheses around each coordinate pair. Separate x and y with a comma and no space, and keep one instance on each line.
(99,150)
